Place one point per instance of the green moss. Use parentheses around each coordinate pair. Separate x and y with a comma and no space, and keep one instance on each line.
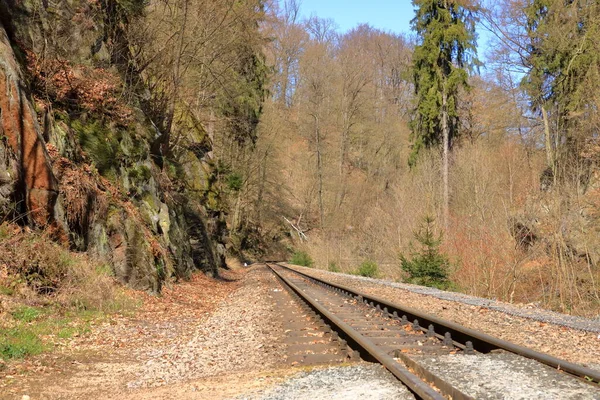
(140,173)
(147,212)
(126,144)
(62,116)
(174,169)
(101,143)
(152,202)
(212,200)
(139,149)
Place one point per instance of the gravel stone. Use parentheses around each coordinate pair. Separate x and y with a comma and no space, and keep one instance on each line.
(503,375)
(548,333)
(366,382)
(236,337)
(529,311)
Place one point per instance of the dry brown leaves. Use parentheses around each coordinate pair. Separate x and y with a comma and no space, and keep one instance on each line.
(79,184)
(175,313)
(159,321)
(194,298)
(93,89)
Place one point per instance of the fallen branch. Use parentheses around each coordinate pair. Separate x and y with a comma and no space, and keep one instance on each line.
(301,234)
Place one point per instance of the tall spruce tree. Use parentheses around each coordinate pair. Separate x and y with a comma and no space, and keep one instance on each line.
(441,62)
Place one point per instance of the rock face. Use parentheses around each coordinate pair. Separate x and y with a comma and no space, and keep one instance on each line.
(91,180)
(28,172)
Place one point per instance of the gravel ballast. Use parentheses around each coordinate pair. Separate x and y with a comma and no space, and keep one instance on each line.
(502,375)
(529,312)
(366,382)
(546,333)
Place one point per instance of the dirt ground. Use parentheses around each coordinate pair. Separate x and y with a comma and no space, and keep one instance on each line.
(220,339)
(190,343)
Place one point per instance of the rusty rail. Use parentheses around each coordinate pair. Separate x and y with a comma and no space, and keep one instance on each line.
(461,335)
(414,383)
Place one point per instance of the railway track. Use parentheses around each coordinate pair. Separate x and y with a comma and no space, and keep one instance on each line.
(406,341)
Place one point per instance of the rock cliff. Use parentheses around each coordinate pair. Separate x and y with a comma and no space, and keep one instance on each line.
(75,156)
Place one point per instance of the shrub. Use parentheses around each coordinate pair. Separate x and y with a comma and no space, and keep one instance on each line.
(367,268)
(46,268)
(333,267)
(301,258)
(427,266)
(235,182)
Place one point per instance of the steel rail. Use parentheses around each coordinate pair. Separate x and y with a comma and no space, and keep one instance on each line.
(482,342)
(413,382)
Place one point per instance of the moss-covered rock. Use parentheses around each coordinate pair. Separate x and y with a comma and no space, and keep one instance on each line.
(149,220)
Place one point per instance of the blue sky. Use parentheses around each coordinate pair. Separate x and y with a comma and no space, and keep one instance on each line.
(388,15)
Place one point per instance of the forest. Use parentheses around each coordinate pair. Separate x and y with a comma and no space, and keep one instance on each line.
(157,138)
(498,198)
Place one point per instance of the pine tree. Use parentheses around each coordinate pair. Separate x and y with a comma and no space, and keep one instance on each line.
(427,266)
(441,61)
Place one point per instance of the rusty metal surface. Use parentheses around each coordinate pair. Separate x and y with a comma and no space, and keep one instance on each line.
(350,325)
(306,340)
(462,336)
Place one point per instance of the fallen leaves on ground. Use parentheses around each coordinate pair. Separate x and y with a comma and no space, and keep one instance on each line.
(158,320)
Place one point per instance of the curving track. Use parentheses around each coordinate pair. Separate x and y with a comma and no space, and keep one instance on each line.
(399,338)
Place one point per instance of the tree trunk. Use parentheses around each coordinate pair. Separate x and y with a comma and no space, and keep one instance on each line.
(261,188)
(445,158)
(550,156)
(284,85)
(343,153)
(161,146)
(237,213)
(344,141)
(319,169)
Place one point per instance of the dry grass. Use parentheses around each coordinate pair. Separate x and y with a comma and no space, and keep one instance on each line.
(36,270)
(493,184)
(49,294)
